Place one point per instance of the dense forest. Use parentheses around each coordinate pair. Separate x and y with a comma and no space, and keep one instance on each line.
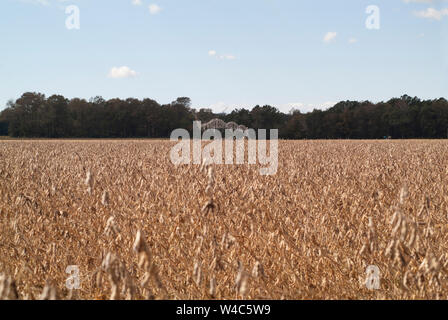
(34,115)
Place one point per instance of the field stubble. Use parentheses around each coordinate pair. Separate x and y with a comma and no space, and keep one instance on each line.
(139,227)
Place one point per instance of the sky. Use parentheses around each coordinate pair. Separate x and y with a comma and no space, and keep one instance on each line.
(225,54)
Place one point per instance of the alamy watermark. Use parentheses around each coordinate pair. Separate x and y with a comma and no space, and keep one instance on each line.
(73,21)
(373,21)
(73,281)
(212,153)
(373,277)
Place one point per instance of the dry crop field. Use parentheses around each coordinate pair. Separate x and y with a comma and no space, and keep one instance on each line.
(139,227)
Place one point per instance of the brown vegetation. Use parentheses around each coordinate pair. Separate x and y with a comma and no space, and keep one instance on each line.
(140,228)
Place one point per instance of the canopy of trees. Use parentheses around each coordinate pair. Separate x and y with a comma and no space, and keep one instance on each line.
(34,115)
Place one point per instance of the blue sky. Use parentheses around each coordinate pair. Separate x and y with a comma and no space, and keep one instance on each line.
(225,54)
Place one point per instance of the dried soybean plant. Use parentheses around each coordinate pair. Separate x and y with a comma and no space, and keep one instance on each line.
(138,227)
(8,288)
(146,262)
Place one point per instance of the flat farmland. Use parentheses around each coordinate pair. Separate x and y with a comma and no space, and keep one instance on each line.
(105,219)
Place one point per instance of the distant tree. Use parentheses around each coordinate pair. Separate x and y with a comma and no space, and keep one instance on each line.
(295,127)
(34,115)
(241,116)
(185,101)
(56,119)
(205,115)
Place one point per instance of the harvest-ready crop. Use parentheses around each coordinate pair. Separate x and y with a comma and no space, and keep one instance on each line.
(138,227)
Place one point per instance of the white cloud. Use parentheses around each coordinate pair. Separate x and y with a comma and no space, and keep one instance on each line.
(227,57)
(295,105)
(137,2)
(352,40)
(154,8)
(418,1)
(220,107)
(330,36)
(213,53)
(307,107)
(328,104)
(46,2)
(432,13)
(41,2)
(121,72)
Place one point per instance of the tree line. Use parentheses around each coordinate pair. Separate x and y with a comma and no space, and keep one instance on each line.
(34,115)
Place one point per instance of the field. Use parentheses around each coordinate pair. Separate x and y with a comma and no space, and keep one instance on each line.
(138,227)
